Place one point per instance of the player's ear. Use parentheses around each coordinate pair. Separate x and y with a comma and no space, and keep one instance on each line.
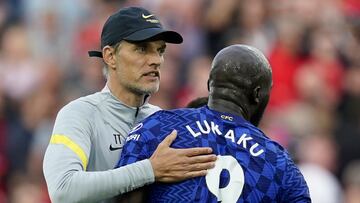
(109,56)
(256,94)
(208,85)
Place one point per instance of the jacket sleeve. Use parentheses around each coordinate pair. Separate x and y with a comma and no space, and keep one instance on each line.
(66,159)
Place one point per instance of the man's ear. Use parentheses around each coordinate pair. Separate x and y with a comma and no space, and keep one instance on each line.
(256,94)
(208,85)
(109,56)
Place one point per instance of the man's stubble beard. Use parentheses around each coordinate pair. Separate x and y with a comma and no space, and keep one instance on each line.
(136,87)
(141,90)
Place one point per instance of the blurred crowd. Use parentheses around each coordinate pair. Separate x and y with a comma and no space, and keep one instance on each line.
(313,47)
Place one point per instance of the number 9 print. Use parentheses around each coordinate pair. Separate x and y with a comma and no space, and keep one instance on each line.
(232,191)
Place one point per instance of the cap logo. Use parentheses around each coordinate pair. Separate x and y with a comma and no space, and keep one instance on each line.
(147,16)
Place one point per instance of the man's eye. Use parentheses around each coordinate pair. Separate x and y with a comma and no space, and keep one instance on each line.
(141,49)
(161,51)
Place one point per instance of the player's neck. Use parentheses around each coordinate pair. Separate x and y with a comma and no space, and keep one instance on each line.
(227,107)
(125,96)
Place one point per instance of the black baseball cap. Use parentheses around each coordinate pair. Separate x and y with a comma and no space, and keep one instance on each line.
(134,24)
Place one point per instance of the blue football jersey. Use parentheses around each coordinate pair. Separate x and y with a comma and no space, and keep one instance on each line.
(250,167)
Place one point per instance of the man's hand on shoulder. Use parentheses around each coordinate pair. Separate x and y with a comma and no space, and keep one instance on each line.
(173,165)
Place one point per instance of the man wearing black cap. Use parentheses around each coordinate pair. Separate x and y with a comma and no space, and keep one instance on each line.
(89,132)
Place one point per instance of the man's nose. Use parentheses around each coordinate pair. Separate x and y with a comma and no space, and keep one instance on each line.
(155,59)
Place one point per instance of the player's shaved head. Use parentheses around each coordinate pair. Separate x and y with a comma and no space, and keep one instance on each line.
(240,82)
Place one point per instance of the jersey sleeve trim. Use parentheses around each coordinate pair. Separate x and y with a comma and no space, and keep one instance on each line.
(62,139)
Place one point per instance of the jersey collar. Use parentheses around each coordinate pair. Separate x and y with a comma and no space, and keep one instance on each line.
(227,117)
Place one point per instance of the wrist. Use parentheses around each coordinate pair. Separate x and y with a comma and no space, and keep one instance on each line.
(149,170)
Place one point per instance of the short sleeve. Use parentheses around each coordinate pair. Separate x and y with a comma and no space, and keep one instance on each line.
(294,187)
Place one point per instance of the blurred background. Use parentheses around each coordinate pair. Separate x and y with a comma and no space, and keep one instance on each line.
(312,45)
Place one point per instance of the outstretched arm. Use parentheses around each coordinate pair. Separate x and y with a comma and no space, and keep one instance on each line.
(68,181)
